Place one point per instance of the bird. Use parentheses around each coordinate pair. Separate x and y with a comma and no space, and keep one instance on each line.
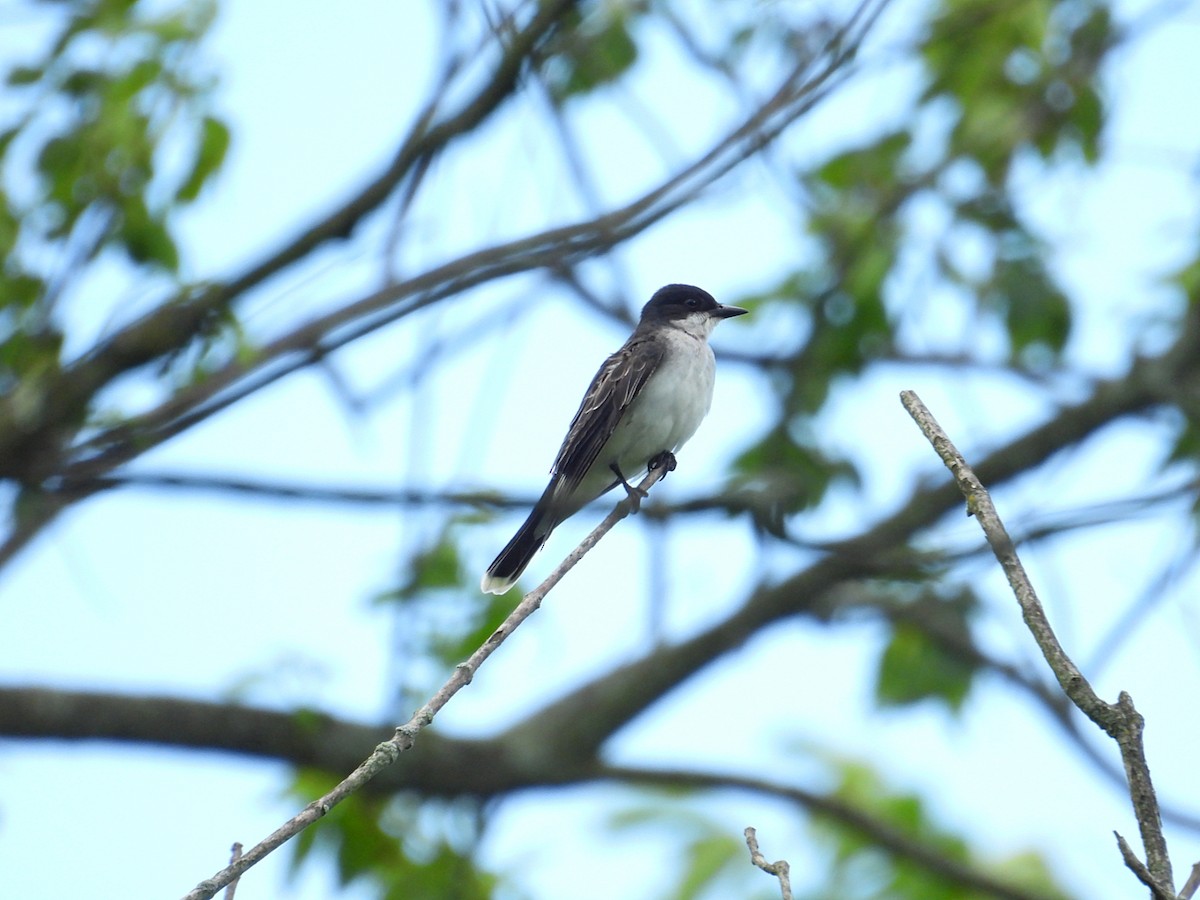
(643,404)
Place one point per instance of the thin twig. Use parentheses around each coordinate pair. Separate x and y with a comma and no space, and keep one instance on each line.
(798,92)
(234,857)
(1119,720)
(779,869)
(1192,884)
(174,325)
(389,751)
(1135,865)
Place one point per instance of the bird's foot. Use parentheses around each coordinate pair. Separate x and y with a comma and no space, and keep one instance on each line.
(635,494)
(664,460)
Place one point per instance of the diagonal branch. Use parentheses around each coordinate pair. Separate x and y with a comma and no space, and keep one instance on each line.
(552,249)
(386,753)
(38,452)
(877,831)
(589,715)
(1119,720)
(176,323)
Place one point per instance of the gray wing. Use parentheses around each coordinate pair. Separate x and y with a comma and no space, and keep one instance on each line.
(615,386)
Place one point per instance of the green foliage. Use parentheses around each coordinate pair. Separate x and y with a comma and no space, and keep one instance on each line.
(596,48)
(784,474)
(94,112)
(1028,84)
(855,199)
(1186,446)
(1012,83)
(711,857)
(445,617)
(928,656)
(82,152)
(862,869)
(1018,79)
(29,353)
(433,568)
(213,145)
(1028,81)
(706,859)
(407,850)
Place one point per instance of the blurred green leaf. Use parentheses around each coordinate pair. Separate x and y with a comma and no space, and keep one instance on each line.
(920,661)
(597,51)
(21,75)
(1017,88)
(914,667)
(873,168)
(214,144)
(146,237)
(783,476)
(143,74)
(22,290)
(437,566)
(710,851)
(387,843)
(899,877)
(708,858)
(1036,311)
(26,351)
(82,82)
(487,612)
(97,129)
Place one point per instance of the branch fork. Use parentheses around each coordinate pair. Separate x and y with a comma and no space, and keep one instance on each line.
(1120,720)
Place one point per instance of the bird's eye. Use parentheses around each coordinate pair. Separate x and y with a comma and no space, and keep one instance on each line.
(692,303)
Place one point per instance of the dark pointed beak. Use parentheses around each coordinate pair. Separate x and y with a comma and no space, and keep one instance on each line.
(728,312)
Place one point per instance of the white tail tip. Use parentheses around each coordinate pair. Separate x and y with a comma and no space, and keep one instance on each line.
(490,584)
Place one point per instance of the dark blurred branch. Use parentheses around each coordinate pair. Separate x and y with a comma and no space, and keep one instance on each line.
(388,752)
(299,491)
(436,765)
(553,249)
(175,324)
(65,490)
(35,440)
(42,448)
(878,832)
(589,715)
(1119,720)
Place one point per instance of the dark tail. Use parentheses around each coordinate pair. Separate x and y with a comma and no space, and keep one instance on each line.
(507,567)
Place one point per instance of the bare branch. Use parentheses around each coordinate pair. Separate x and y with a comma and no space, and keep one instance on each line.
(389,751)
(552,249)
(235,855)
(1193,882)
(1120,720)
(589,715)
(176,323)
(1135,865)
(779,869)
(301,491)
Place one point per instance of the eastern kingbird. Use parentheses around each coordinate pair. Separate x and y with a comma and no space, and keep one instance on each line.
(646,401)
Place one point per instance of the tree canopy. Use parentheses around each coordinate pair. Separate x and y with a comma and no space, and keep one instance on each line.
(295,307)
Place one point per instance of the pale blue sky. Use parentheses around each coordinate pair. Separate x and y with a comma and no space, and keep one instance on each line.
(136,591)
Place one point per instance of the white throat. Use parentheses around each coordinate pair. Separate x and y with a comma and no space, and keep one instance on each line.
(698,324)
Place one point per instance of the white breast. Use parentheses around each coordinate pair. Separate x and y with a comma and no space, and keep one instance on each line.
(670,407)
